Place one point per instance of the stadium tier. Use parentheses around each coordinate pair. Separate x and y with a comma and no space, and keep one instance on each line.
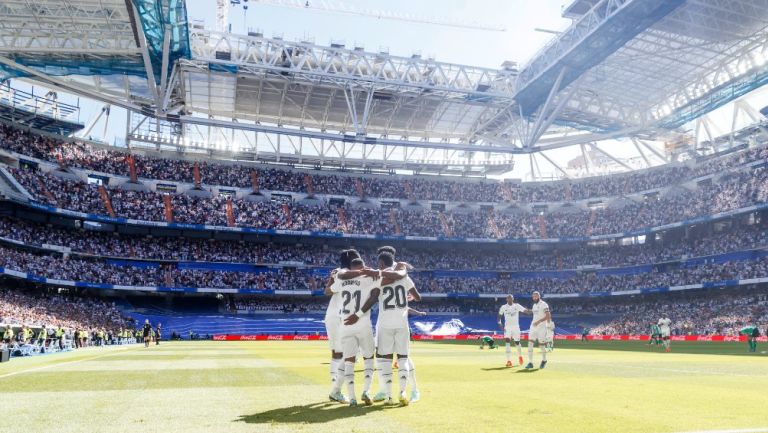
(736,192)
(240,174)
(734,183)
(74,182)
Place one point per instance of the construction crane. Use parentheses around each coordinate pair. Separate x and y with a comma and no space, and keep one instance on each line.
(333,6)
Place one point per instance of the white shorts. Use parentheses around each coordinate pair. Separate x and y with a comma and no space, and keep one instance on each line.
(357,339)
(332,326)
(393,341)
(538,333)
(513,333)
(665,333)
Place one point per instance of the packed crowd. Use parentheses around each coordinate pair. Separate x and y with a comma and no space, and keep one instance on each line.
(46,319)
(87,242)
(699,314)
(589,282)
(144,274)
(80,155)
(735,191)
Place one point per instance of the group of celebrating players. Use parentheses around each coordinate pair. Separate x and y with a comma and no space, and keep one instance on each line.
(354,288)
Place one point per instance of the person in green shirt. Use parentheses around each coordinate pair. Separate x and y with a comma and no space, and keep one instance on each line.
(42,336)
(751,332)
(26,334)
(489,341)
(59,334)
(8,334)
(655,335)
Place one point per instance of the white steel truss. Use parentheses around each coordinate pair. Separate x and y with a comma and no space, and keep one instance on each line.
(67,29)
(359,103)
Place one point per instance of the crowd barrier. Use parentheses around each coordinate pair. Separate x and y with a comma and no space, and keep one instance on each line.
(290,337)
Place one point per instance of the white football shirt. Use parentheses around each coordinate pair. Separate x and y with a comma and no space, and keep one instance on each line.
(664,323)
(352,295)
(539,310)
(393,304)
(334,304)
(511,314)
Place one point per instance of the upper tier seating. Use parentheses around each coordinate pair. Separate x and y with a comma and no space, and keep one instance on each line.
(232,174)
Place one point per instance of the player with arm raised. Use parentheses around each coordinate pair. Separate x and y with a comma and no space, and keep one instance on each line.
(392,332)
(400,270)
(333,324)
(356,331)
(538,331)
(510,314)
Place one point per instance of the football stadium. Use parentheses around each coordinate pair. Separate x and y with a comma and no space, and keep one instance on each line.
(384,216)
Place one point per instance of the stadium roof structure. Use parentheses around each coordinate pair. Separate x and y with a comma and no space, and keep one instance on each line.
(45,113)
(624,68)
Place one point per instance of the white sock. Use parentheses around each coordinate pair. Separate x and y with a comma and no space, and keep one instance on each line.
(530,352)
(385,376)
(412,375)
(368,375)
(519,349)
(334,370)
(543,348)
(402,373)
(340,373)
(349,377)
(508,349)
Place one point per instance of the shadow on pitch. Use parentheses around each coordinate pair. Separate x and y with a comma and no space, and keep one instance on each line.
(315,413)
(529,370)
(497,368)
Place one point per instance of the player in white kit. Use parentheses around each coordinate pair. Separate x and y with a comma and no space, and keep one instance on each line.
(392,331)
(510,313)
(538,332)
(550,336)
(665,324)
(333,324)
(356,330)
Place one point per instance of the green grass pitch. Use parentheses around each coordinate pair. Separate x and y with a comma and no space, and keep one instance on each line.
(283,387)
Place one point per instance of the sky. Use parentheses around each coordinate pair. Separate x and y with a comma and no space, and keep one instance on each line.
(448,44)
(487,48)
